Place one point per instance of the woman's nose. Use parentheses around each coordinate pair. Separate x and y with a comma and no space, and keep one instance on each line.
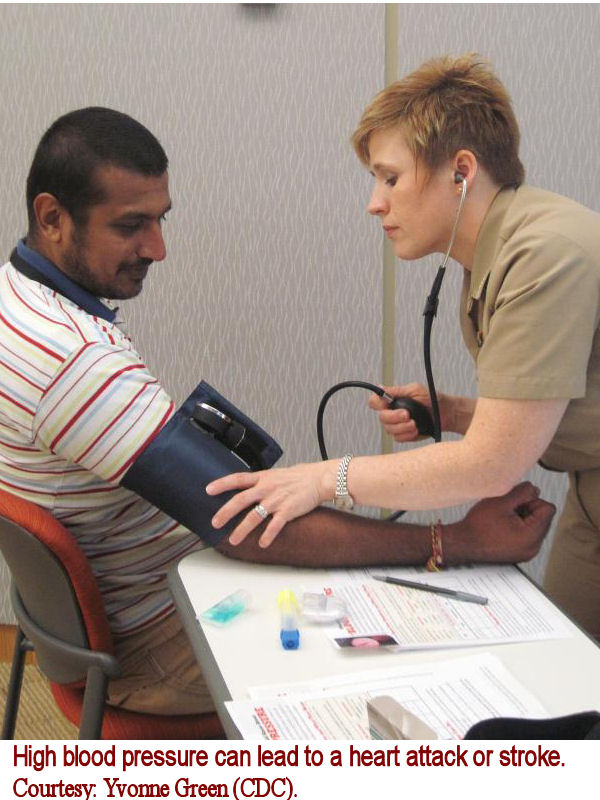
(377,203)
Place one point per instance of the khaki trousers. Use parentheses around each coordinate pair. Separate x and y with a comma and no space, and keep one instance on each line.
(572,576)
(160,674)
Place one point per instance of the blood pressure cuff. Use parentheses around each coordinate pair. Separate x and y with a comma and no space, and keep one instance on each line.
(207,438)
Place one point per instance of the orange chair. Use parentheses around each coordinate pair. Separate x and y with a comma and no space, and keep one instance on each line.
(61,616)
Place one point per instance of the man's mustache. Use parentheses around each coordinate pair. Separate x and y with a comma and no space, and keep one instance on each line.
(143,262)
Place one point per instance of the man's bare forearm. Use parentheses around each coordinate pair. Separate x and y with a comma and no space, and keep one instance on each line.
(501,529)
(327,538)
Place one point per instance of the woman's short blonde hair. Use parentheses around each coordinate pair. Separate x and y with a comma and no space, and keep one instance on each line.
(446,105)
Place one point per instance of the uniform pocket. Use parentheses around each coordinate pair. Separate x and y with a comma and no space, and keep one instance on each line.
(587,488)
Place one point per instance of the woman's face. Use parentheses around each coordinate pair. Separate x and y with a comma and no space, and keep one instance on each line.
(416,206)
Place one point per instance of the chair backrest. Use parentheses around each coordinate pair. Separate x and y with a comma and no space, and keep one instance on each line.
(53,580)
(54,592)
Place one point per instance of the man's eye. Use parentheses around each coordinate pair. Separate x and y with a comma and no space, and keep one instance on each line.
(128,227)
(391,181)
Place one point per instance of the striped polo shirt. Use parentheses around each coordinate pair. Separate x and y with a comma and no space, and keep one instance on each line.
(77,405)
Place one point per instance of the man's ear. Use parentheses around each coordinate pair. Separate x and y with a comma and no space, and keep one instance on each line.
(51,217)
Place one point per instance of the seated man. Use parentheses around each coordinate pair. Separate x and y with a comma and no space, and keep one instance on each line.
(78,407)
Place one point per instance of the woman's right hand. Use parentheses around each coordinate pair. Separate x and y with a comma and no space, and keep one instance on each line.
(398,422)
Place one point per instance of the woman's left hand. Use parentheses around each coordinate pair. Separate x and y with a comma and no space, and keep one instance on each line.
(283,493)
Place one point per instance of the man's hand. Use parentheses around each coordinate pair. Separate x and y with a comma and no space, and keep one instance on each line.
(506,529)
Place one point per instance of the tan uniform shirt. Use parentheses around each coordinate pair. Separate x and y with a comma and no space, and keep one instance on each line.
(530,311)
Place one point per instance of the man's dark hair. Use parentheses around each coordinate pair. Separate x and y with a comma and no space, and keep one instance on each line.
(76,144)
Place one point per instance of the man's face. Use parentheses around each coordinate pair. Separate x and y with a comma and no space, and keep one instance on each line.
(416,206)
(110,253)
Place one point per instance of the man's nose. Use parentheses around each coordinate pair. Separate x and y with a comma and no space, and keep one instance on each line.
(153,244)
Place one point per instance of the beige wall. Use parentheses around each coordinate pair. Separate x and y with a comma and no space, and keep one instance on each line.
(272,288)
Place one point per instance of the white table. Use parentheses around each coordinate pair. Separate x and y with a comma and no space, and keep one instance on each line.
(563,673)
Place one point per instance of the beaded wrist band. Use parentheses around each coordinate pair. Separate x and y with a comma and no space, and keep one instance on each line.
(435,562)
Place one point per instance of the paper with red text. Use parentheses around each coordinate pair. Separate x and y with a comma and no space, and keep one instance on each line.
(516,610)
(450,696)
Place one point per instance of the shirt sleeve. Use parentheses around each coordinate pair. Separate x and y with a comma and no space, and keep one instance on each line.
(543,321)
(101,409)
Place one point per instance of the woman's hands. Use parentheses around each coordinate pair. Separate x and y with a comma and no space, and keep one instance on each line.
(455,412)
(284,493)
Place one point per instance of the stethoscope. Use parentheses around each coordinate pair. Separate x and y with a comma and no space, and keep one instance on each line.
(428,424)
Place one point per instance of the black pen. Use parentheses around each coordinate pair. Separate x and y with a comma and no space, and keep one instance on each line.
(427,587)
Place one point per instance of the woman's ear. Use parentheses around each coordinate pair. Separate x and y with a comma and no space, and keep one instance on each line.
(464,167)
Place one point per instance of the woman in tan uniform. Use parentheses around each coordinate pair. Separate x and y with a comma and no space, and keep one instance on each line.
(530,310)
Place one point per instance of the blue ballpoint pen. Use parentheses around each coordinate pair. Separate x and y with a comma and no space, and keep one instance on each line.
(289,633)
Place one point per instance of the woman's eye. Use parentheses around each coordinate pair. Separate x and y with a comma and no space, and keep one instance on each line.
(391,181)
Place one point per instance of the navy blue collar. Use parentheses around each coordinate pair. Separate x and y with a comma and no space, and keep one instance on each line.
(39,268)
